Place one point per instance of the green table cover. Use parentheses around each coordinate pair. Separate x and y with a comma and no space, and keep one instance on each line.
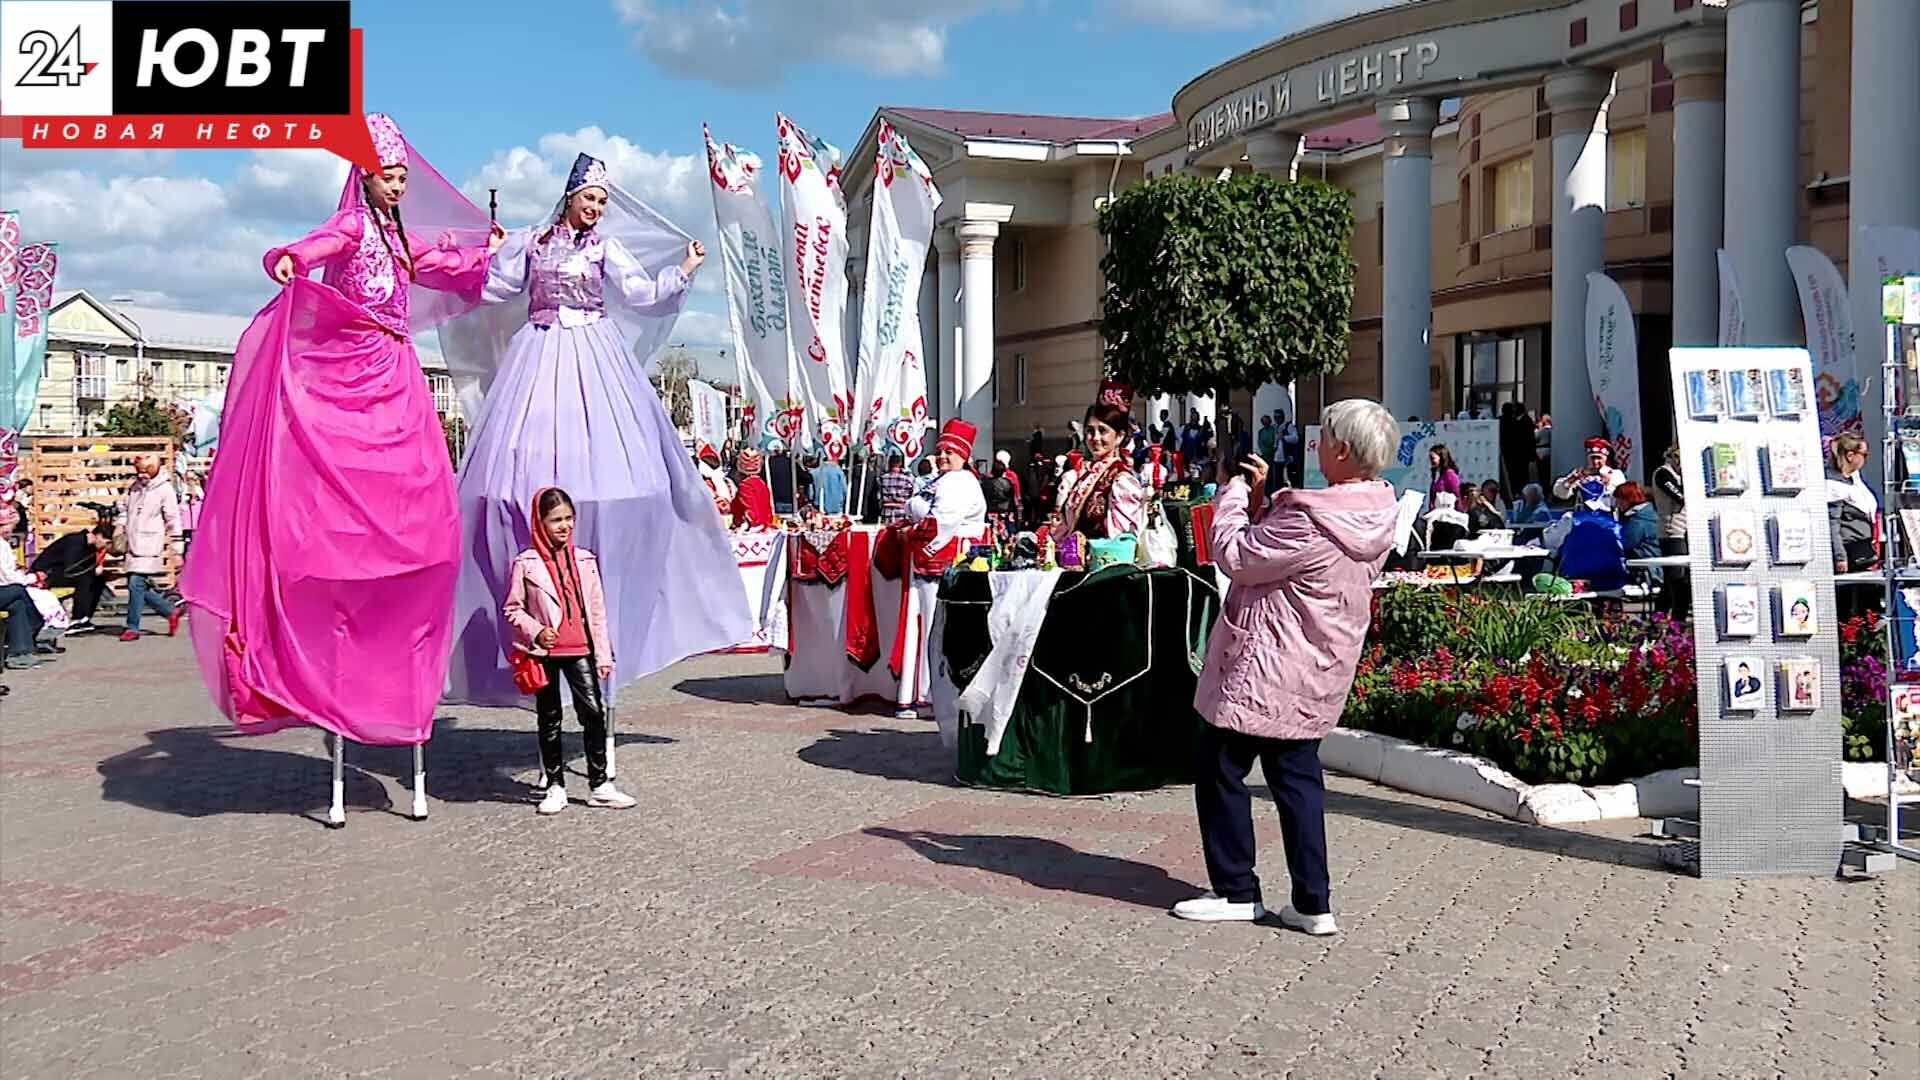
(1118,657)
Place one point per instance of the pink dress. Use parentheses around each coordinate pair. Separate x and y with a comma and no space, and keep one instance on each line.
(322,571)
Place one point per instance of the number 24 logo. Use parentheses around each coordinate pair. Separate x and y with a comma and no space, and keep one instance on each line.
(55,62)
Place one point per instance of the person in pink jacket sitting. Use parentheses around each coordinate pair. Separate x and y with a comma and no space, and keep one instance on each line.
(1283,655)
(558,612)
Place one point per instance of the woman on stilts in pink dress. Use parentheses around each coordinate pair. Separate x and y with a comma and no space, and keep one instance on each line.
(322,572)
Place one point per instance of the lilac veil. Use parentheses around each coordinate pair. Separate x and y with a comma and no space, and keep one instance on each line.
(561,354)
(322,570)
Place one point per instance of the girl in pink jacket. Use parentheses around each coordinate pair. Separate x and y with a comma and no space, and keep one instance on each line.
(558,612)
(1282,658)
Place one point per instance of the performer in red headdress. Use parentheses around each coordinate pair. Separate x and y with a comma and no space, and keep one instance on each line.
(1107,498)
(753,499)
(1594,480)
(941,525)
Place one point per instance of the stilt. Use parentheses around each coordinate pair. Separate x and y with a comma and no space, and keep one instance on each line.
(337,813)
(613,761)
(419,782)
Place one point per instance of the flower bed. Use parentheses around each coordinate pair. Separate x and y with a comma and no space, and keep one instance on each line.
(1553,693)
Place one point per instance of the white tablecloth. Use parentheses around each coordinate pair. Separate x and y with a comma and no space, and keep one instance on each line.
(817,664)
(759,553)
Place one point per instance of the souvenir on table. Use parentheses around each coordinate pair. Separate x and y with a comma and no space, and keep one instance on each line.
(1786,465)
(1742,609)
(1746,393)
(1792,538)
(1727,472)
(1910,459)
(1798,609)
(1906,703)
(1734,535)
(1787,391)
(1706,394)
(1910,531)
(1070,551)
(1110,551)
(1203,534)
(1906,651)
(1799,684)
(1745,692)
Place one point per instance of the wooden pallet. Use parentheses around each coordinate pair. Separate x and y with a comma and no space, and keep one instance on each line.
(67,472)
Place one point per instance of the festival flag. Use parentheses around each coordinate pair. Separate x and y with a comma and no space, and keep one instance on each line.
(890,381)
(1733,320)
(1823,307)
(815,212)
(1613,367)
(751,251)
(26,302)
(709,411)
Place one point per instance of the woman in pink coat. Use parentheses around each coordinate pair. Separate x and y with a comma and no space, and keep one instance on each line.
(151,516)
(1282,658)
(557,608)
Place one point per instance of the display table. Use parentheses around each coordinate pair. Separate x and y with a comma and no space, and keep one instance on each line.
(1105,701)
(757,552)
(817,593)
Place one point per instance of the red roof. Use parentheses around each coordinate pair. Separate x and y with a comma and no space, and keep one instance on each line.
(1050,129)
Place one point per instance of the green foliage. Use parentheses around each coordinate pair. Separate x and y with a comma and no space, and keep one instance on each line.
(146,417)
(1226,284)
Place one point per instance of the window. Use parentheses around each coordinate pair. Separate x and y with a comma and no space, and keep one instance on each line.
(122,371)
(445,400)
(995,382)
(1380,234)
(157,376)
(1019,264)
(1627,169)
(90,375)
(46,417)
(1512,184)
(1019,378)
(190,376)
(1492,370)
(1466,210)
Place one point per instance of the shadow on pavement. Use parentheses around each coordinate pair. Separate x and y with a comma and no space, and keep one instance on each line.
(768,689)
(890,755)
(1049,865)
(1443,822)
(202,771)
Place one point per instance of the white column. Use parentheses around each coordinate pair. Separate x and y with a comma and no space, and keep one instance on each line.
(1885,162)
(1407,292)
(976,320)
(850,318)
(930,336)
(1579,229)
(948,354)
(1762,179)
(1277,153)
(1698,60)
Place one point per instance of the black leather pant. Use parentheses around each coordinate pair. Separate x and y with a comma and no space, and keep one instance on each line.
(585,687)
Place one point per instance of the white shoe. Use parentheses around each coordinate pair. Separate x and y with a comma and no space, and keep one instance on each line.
(1317,925)
(1210,908)
(555,801)
(610,797)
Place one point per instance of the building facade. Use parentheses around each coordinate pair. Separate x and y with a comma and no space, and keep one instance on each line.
(101,354)
(1497,152)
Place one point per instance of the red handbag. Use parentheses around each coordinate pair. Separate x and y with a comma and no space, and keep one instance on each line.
(529,674)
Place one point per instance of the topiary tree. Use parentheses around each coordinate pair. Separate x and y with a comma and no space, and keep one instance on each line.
(1223,285)
(147,417)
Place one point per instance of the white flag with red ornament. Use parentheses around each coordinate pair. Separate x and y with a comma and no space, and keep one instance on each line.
(815,213)
(890,381)
(754,256)
(709,409)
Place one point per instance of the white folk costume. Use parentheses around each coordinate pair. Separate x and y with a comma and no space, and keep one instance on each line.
(941,526)
(716,480)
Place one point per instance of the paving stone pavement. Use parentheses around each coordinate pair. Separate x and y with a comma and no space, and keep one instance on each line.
(805,892)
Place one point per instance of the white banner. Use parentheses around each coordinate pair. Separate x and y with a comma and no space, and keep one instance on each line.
(1733,321)
(1823,307)
(1474,444)
(752,254)
(815,246)
(1613,368)
(890,382)
(709,408)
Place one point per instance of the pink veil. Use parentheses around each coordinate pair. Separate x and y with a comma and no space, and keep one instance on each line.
(434,212)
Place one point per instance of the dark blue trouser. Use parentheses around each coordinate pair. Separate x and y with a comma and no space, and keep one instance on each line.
(23,621)
(141,595)
(1292,769)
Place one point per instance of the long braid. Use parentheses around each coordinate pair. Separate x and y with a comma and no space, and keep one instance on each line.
(387,243)
(401,226)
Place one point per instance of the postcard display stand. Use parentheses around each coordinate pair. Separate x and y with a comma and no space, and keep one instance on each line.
(1900,526)
(1766,647)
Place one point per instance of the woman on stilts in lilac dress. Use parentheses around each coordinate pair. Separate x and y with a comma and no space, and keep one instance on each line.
(569,406)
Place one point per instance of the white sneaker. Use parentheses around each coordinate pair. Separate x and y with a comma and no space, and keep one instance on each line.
(1317,925)
(610,797)
(555,801)
(1210,908)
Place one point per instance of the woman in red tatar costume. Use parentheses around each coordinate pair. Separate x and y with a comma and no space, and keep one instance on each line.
(753,500)
(941,525)
(1107,498)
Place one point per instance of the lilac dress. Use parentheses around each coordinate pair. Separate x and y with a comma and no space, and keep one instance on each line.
(571,407)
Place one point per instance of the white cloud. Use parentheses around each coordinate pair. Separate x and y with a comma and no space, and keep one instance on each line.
(1214,15)
(750,42)
(697,327)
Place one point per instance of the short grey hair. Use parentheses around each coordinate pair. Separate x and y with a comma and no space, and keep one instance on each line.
(1535,490)
(1366,429)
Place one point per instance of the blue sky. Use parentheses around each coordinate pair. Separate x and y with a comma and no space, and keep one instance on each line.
(502,94)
